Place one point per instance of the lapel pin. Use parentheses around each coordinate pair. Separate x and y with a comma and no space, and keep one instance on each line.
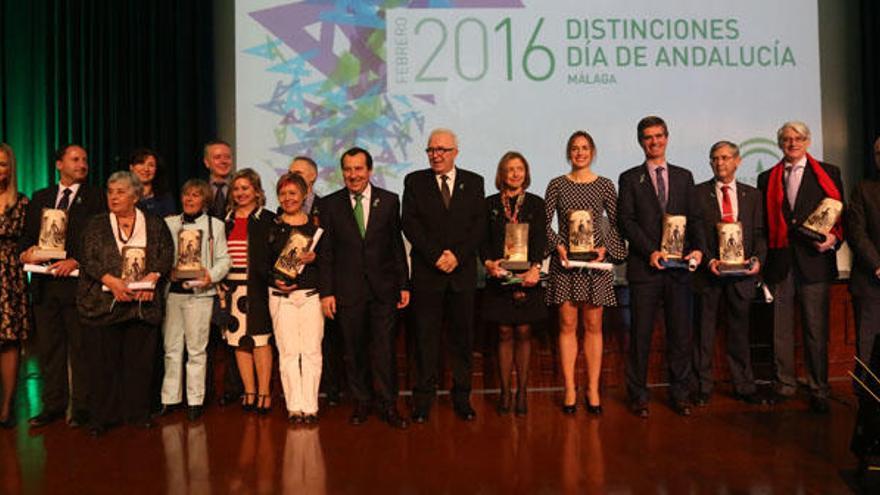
(375,202)
(641,178)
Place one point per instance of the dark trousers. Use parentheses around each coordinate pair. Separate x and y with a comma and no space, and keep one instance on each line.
(867,313)
(645,300)
(368,331)
(431,309)
(59,341)
(122,360)
(736,314)
(813,300)
(232,385)
(332,366)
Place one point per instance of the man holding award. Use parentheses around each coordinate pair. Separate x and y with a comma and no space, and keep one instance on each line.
(733,221)
(801,261)
(54,225)
(658,214)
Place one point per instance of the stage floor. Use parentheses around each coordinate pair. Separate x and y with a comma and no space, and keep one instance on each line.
(727,447)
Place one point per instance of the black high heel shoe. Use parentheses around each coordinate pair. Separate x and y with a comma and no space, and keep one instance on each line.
(594,410)
(248,405)
(262,408)
(522,406)
(504,403)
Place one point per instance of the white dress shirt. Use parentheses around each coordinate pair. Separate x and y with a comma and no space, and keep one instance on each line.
(365,201)
(794,174)
(74,188)
(652,173)
(719,195)
(451,181)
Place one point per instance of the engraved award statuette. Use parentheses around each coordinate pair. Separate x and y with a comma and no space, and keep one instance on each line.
(134,263)
(822,220)
(189,255)
(287,266)
(581,244)
(672,242)
(731,252)
(516,247)
(53,231)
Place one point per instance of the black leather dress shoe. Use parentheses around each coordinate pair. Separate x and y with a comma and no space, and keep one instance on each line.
(359,415)
(419,416)
(681,408)
(44,419)
(193,413)
(79,419)
(465,411)
(819,405)
(640,409)
(333,399)
(753,399)
(96,431)
(227,399)
(9,422)
(394,419)
(701,399)
(776,398)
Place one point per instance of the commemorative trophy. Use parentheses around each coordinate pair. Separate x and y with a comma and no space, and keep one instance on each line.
(731,250)
(581,244)
(134,264)
(672,242)
(53,232)
(189,255)
(516,247)
(288,266)
(822,220)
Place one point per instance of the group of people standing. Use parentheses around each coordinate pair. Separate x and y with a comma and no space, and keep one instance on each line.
(273,280)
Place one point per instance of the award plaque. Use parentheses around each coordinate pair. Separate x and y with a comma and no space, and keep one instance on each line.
(516,247)
(581,246)
(672,242)
(53,230)
(288,265)
(731,252)
(189,255)
(822,220)
(134,263)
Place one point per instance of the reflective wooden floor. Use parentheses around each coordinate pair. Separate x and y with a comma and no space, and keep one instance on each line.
(727,447)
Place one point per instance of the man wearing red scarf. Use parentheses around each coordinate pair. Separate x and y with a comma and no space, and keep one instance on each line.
(799,270)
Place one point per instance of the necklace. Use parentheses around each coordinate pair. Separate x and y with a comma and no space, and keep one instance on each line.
(119,229)
(513,216)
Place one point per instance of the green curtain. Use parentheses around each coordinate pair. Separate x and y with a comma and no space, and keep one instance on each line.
(111,76)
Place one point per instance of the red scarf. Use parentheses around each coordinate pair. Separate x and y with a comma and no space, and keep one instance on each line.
(777,226)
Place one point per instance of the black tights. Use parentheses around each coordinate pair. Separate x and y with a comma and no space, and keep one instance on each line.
(522,335)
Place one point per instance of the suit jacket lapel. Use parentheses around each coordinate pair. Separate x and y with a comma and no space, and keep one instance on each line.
(435,189)
(715,216)
(374,205)
(806,194)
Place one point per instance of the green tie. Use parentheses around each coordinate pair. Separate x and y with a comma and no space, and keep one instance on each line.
(359,214)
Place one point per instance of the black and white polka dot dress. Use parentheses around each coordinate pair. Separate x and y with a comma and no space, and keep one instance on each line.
(600,198)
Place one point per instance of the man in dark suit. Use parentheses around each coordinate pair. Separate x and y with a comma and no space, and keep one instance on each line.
(723,199)
(444,220)
(364,279)
(798,269)
(331,346)
(863,235)
(60,339)
(218,159)
(647,192)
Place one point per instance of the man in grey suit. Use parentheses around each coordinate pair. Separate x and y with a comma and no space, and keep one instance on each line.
(723,199)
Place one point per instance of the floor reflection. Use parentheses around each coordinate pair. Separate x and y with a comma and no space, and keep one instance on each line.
(303,469)
(187,470)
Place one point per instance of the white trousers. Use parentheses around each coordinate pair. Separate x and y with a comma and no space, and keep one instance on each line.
(187,326)
(299,329)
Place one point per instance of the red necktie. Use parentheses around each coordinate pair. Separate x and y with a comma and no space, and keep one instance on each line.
(726,206)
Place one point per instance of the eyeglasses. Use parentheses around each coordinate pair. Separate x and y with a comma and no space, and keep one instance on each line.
(441,151)
(795,139)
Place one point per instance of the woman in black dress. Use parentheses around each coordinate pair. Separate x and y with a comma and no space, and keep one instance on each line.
(147,165)
(514,306)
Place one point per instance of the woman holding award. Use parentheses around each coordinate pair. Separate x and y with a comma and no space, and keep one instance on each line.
(247,228)
(513,249)
(120,249)
(202,259)
(14,319)
(580,200)
(294,301)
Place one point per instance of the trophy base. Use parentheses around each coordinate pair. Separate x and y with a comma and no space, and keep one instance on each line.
(588,256)
(283,277)
(515,266)
(736,269)
(811,234)
(674,263)
(50,254)
(186,274)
